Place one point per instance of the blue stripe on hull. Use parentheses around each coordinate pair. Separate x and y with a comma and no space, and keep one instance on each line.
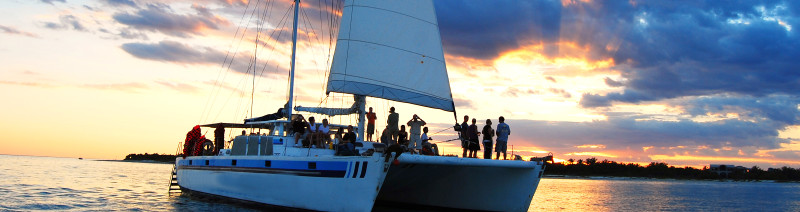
(339,169)
(308,173)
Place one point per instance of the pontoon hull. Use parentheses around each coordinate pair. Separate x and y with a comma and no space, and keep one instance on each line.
(330,184)
(462,183)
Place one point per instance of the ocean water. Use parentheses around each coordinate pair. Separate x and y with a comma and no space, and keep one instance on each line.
(68,184)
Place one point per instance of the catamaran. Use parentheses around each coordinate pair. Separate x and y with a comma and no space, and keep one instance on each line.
(384,50)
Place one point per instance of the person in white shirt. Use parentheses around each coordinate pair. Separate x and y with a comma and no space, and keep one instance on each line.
(415,125)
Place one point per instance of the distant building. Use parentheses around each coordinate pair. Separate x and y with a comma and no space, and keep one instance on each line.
(726,170)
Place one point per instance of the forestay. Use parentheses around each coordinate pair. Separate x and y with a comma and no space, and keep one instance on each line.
(392,50)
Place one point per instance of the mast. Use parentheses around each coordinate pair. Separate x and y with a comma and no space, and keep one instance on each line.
(294,51)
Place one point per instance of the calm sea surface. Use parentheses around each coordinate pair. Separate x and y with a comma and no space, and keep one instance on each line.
(67,184)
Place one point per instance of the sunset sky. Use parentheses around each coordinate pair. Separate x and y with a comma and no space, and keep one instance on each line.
(689,83)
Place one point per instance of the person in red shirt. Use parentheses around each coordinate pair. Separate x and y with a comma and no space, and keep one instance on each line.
(370,124)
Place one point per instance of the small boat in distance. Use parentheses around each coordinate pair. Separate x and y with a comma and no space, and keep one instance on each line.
(385,49)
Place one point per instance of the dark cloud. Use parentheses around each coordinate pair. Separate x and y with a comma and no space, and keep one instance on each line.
(175,52)
(484,29)
(121,2)
(780,109)
(621,133)
(161,18)
(678,49)
(66,22)
(612,83)
(12,30)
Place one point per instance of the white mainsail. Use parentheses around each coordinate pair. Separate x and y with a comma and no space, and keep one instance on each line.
(391,49)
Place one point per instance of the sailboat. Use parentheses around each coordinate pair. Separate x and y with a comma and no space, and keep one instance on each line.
(384,50)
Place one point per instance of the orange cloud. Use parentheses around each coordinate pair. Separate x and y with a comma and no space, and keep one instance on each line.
(599,154)
(571,59)
(592,146)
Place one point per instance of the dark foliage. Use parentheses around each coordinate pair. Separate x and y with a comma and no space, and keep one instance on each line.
(591,167)
(153,157)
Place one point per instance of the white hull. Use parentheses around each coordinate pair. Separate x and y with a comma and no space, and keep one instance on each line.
(463,183)
(330,184)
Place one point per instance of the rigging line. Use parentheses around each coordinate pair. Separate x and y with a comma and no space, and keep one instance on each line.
(216,89)
(230,63)
(284,20)
(307,23)
(333,27)
(217,85)
(277,29)
(259,28)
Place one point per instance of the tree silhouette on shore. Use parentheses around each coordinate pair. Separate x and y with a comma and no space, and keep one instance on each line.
(591,167)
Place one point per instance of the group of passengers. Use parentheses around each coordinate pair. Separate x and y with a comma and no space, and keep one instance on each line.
(415,141)
(315,135)
(469,138)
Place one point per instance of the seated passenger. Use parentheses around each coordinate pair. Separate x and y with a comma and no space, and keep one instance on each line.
(323,133)
(298,128)
(311,133)
(427,147)
(347,147)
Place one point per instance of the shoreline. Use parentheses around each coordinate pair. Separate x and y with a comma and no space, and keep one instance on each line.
(139,161)
(652,178)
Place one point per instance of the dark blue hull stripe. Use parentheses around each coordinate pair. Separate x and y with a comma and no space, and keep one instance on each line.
(308,173)
(340,169)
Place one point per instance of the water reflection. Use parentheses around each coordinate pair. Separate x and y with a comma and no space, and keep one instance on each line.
(663,195)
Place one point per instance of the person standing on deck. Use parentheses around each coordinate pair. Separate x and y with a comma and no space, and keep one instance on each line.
(370,124)
(464,137)
(473,139)
(391,123)
(503,131)
(219,138)
(488,133)
(415,125)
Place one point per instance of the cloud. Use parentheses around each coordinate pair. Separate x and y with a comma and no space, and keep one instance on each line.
(673,49)
(183,87)
(516,92)
(175,52)
(463,103)
(561,92)
(630,134)
(51,1)
(613,83)
(11,30)
(121,3)
(662,50)
(29,84)
(66,22)
(484,30)
(781,109)
(133,87)
(171,51)
(161,18)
